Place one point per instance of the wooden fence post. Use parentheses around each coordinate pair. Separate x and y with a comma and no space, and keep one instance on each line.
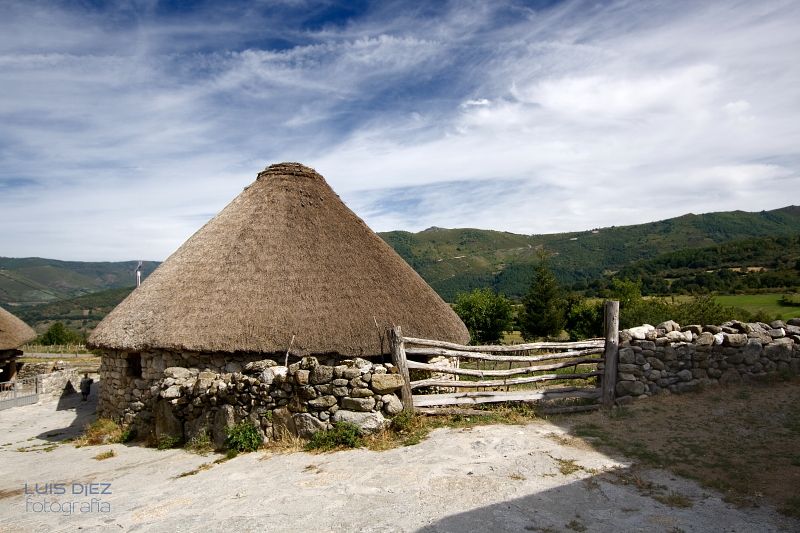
(399,360)
(611,354)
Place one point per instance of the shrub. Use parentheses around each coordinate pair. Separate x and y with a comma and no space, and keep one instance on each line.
(243,437)
(402,421)
(343,435)
(166,442)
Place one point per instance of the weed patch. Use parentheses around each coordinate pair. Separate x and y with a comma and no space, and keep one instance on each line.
(243,437)
(200,444)
(166,442)
(343,435)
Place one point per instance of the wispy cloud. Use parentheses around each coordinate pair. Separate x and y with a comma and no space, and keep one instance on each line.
(124,126)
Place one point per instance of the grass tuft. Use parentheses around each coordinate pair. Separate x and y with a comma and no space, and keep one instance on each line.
(673,499)
(200,444)
(105,455)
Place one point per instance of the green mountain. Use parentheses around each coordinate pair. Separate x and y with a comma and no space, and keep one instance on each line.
(454,260)
(38,280)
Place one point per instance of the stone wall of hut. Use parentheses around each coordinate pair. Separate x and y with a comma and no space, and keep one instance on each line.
(668,358)
(183,395)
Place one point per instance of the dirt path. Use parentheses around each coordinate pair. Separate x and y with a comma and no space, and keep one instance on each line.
(489,478)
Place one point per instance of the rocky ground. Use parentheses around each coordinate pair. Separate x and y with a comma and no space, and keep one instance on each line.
(535,477)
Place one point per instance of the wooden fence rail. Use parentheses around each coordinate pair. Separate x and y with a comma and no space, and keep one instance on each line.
(501,373)
(503,358)
(568,354)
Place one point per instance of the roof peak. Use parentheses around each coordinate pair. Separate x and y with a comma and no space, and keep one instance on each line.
(290,169)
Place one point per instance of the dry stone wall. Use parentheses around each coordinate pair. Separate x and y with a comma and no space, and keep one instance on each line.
(668,358)
(185,402)
(59,383)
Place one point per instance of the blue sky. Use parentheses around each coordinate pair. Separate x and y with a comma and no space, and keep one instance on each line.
(124,126)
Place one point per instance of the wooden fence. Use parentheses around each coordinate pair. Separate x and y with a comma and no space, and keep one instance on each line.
(528,364)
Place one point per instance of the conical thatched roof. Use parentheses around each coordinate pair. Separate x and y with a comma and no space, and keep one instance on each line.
(13,331)
(285,258)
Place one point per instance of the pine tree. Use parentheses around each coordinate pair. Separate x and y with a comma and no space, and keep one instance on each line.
(544,314)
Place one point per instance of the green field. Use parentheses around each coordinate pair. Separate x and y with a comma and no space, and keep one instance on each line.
(755,302)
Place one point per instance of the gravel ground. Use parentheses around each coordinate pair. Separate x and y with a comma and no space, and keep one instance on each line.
(489,478)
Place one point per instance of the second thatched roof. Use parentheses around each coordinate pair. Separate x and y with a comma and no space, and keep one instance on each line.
(285,259)
(13,331)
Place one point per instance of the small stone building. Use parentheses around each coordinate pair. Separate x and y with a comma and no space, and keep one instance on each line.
(285,280)
(13,334)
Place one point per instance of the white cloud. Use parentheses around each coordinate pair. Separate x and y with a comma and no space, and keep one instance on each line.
(119,138)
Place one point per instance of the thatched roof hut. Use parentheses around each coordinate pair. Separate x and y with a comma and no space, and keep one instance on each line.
(285,259)
(13,331)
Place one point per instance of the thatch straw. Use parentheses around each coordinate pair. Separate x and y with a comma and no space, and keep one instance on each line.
(285,258)
(13,331)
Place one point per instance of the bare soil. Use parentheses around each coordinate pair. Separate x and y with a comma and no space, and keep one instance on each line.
(743,441)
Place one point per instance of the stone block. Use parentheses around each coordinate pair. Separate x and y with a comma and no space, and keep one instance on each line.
(283,423)
(324,402)
(307,424)
(321,374)
(386,383)
(368,423)
(301,377)
(358,404)
(633,388)
(167,425)
(734,339)
(361,393)
(391,404)
(177,372)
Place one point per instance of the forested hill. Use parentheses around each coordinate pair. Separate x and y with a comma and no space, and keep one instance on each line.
(451,260)
(743,265)
(454,260)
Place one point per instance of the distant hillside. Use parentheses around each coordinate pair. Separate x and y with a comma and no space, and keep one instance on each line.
(81,313)
(454,260)
(750,264)
(38,280)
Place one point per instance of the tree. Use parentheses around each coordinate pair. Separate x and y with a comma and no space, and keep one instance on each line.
(584,319)
(544,314)
(59,334)
(485,313)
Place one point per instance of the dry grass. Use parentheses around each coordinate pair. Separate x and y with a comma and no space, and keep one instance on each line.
(101,431)
(568,466)
(287,444)
(105,455)
(741,440)
(204,466)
